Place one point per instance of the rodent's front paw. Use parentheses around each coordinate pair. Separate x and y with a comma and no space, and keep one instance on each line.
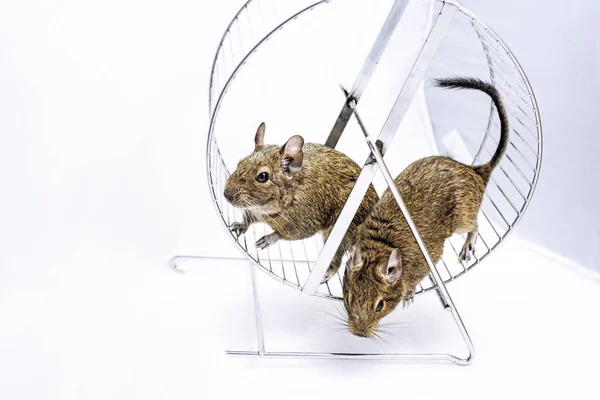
(328,275)
(238,229)
(267,241)
(408,300)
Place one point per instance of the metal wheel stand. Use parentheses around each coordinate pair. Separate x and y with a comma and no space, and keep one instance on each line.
(375,161)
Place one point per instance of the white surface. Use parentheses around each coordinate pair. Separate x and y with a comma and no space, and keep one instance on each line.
(123,326)
(101,164)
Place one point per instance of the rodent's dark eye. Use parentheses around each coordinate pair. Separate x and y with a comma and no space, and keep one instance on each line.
(379,306)
(262,177)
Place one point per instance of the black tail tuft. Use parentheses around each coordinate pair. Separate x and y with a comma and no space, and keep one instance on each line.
(477,84)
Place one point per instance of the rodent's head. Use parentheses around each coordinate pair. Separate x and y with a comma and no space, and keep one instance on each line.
(372,286)
(261,181)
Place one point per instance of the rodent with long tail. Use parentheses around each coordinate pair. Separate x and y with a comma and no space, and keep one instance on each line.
(443,197)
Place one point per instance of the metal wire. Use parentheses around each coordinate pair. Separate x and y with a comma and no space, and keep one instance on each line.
(504,71)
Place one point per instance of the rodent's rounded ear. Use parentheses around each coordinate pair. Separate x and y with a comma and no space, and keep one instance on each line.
(355,261)
(291,155)
(259,138)
(393,270)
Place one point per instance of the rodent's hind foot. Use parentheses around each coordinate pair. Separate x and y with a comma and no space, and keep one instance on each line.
(468,249)
(238,229)
(467,252)
(267,240)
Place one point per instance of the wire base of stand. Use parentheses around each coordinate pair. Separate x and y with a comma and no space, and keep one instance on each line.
(263,353)
(354,356)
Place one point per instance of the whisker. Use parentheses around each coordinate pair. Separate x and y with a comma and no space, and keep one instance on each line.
(340,330)
(391,335)
(395,324)
(338,318)
(335,330)
(380,340)
(331,323)
(341,309)
(386,341)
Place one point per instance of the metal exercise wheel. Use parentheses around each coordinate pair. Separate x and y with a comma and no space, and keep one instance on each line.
(302,264)
(508,195)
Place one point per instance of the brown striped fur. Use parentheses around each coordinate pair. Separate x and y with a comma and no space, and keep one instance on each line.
(297,203)
(443,197)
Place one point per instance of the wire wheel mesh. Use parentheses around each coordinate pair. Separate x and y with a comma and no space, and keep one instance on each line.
(509,191)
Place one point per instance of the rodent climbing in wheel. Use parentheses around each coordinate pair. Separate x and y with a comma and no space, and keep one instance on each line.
(298,258)
(298,189)
(443,197)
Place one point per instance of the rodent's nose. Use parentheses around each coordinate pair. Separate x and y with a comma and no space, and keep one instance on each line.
(228,193)
(365,333)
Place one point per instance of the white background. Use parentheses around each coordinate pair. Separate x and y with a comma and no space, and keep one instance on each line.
(102,130)
(556,43)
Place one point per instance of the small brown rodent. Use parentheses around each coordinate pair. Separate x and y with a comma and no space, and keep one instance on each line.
(443,197)
(297,189)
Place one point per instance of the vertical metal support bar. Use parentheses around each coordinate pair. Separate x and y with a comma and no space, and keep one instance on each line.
(370,141)
(439,293)
(362,80)
(339,229)
(260,336)
(413,228)
(439,282)
(392,123)
(417,73)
